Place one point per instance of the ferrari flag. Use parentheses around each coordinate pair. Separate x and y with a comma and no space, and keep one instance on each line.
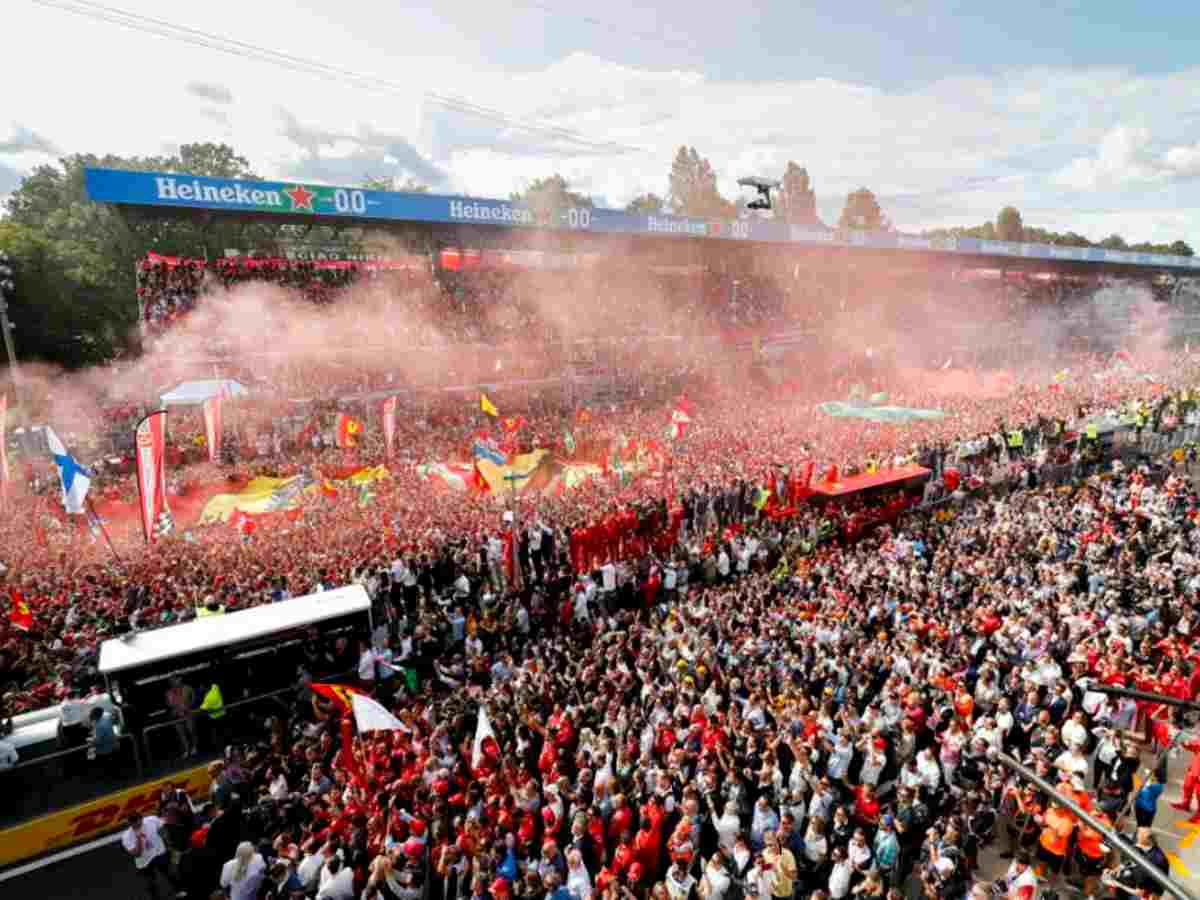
(348,430)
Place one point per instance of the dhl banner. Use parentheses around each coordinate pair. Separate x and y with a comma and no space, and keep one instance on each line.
(94,819)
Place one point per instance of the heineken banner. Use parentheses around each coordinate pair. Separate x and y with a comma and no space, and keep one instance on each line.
(316,202)
(150,444)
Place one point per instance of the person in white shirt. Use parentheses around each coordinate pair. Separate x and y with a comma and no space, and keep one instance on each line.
(143,841)
(727,827)
(310,868)
(337,881)
(8,755)
(840,874)
(242,875)
(715,882)
(366,667)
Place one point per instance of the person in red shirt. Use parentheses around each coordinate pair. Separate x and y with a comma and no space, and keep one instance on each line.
(866,805)
(621,819)
(1191,781)
(647,845)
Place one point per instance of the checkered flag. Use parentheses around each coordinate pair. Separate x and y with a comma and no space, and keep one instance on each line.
(164,525)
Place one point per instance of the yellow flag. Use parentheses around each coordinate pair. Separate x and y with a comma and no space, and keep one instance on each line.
(486,406)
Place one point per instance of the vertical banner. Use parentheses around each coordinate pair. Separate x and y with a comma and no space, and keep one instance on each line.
(151,475)
(389,427)
(3,444)
(212,426)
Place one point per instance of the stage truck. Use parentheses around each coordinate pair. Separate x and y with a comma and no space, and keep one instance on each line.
(60,794)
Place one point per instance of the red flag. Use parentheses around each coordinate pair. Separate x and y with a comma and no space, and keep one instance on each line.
(20,616)
(348,430)
(150,453)
(242,523)
(389,426)
(213,426)
(338,693)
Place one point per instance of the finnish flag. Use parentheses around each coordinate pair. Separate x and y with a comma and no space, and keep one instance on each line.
(75,478)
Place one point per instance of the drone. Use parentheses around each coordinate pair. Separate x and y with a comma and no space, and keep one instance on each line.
(764,186)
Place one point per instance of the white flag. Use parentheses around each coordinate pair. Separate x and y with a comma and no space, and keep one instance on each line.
(370,715)
(483,731)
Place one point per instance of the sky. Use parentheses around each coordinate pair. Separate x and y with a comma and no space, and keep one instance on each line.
(1086,117)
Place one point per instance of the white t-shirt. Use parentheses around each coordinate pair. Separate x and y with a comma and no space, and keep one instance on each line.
(246,888)
(366,665)
(152,842)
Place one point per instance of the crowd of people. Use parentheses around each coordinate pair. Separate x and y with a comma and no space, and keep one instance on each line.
(735,702)
(748,719)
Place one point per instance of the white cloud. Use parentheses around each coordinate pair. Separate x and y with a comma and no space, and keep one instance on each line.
(1126,157)
(1184,161)
(949,152)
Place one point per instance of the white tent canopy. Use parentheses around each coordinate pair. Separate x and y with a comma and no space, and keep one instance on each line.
(193,393)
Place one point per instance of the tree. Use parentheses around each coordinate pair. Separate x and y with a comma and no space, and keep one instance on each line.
(95,247)
(549,196)
(56,317)
(1009,226)
(410,185)
(1114,242)
(796,199)
(645,204)
(862,212)
(694,188)
(214,161)
(1180,248)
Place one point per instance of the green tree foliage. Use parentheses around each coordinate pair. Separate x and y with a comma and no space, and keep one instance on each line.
(645,204)
(796,200)
(56,316)
(694,188)
(551,195)
(862,212)
(96,247)
(1009,225)
(410,185)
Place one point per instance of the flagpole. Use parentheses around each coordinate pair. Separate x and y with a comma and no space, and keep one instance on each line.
(104,531)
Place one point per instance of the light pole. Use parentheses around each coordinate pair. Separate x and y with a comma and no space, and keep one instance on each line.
(6,288)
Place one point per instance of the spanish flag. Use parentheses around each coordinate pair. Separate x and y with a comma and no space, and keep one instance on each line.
(487,407)
(20,616)
(348,430)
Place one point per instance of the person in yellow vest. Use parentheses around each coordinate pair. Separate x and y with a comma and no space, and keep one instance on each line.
(1016,442)
(213,705)
(211,607)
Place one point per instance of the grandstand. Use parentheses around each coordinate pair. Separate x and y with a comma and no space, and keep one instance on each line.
(749,282)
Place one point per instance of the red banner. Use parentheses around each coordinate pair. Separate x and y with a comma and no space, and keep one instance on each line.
(389,426)
(151,471)
(212,427)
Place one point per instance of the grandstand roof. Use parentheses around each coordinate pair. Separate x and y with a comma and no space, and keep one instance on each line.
(165,193)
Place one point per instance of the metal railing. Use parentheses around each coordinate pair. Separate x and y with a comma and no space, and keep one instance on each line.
(68,777)
(224,730)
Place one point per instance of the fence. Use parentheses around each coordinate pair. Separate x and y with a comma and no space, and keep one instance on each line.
(67,778)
